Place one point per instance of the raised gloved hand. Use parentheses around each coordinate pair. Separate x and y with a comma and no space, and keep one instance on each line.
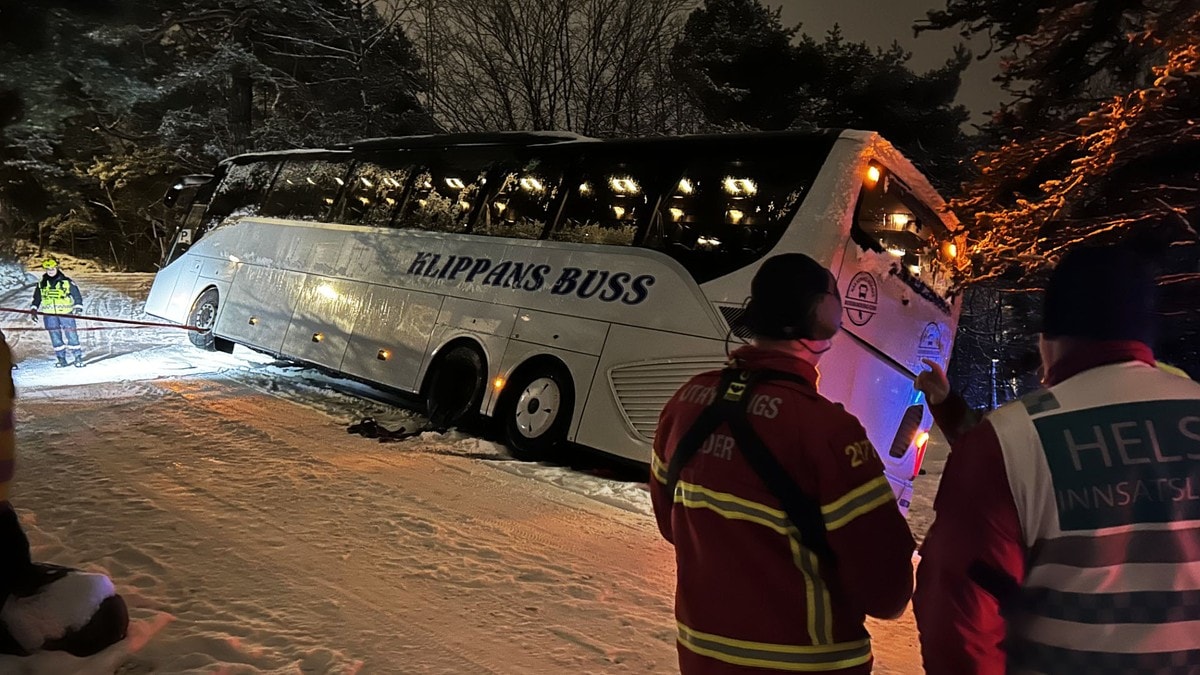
(33,316)
(933,382)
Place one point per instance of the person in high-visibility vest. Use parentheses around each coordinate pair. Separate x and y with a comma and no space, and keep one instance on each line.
(57,298)
(1066,522)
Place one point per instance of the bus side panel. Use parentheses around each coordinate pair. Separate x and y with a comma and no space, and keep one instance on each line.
(324,320)
(629,392)
(581,366)
(878,395)
(260,306)
(169,295)
(573,340)
(391,336)
(890,315)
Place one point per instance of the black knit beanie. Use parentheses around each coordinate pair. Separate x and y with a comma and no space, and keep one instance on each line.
(1102,293)
(782,295)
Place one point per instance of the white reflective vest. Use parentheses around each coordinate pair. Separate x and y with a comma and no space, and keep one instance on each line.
(1105,474)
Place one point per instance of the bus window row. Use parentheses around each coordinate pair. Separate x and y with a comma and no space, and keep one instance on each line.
(713,217)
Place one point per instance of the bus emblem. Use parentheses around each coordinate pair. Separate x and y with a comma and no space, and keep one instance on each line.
(862,298)
(930,344)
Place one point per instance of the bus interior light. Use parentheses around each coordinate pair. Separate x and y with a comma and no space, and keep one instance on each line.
(455,183)
(740,186)
(365,182)
(896,251)
(735,216)
(686,187)
(624,186)
(952,250)
(532,184)
(676,214)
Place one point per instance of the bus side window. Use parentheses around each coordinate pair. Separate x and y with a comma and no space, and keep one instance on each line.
(892,222)
(525,202)
(371,195)
(443,199)
(605,207)
(240,192)
(721,216)
(305,189)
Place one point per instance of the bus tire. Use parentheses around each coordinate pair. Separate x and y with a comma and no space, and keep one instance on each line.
(455,387)
(204,315)
(537,409)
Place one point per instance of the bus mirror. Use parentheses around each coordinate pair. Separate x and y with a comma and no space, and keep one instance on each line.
(185,237)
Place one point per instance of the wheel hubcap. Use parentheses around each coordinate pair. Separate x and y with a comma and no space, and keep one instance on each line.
(204,316)
(537,407)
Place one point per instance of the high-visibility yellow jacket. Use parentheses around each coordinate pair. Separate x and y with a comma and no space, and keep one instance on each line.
(57,295)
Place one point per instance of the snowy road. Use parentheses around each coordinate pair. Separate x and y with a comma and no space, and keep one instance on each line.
(252,534)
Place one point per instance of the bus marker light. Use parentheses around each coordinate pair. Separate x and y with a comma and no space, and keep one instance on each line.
(498,383)
(254,321)
(383,355)
(317,337)
(920,441)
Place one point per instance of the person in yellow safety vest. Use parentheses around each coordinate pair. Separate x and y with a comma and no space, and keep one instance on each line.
(57,298)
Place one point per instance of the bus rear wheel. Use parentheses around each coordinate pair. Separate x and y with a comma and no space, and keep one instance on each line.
(455,389)
(537,411)
(204,317)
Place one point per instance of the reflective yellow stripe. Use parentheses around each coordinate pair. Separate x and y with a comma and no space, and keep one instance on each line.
(817,601)
(795,658)
(731,507)
(657,469)
(857,502)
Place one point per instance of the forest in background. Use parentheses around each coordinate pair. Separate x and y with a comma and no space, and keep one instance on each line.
(104,102)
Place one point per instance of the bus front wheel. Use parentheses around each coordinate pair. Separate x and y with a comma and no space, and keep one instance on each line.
(537,411)
(455,389)
(204,317)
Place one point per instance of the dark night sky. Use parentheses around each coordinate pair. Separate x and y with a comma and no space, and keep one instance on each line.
(879,22)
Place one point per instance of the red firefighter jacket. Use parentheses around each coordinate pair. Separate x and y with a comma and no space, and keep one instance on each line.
(749,597)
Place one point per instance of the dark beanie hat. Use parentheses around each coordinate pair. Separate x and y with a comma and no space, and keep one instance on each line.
(782,295)
(1101,293)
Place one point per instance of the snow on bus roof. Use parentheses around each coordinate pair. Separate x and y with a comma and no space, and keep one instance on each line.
(519,138)
(912,177)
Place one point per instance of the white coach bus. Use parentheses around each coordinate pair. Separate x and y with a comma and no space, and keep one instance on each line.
(562,285)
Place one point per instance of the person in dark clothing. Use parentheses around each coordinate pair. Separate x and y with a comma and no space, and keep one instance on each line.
(1030,566)
(777,566)
(44,606)
(57,299)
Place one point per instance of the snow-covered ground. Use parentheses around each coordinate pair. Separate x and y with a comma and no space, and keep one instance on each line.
(250,533)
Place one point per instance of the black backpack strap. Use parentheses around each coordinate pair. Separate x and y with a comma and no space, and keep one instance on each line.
(802,510)
(730,406)
(704,426)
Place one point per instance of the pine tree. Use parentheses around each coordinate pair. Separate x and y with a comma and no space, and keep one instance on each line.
(744,69)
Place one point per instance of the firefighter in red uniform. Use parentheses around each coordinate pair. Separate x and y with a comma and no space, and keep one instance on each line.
(785,529)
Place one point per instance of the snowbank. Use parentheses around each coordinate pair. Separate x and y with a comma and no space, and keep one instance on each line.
(14,277)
